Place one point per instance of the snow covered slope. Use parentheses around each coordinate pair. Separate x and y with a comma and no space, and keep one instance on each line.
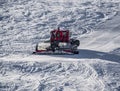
(23,23)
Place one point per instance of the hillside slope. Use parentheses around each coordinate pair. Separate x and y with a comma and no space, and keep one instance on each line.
(23,23)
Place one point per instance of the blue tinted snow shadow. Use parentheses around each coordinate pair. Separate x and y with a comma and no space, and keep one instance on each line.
(91,54)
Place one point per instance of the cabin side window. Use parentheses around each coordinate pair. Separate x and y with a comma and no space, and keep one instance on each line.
(64,34)
(58,35)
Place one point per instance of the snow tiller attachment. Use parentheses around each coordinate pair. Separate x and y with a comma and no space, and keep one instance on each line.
(59,43)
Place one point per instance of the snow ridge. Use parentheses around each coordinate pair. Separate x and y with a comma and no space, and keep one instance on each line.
(24,23)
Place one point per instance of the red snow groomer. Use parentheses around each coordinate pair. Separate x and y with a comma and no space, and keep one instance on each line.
(59,43)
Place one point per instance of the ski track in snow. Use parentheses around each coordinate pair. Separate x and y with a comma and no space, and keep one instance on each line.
(23,23)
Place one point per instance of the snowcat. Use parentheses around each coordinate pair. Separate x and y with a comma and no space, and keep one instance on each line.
(59,43)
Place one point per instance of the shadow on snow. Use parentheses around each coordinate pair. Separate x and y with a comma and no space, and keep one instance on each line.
(91,54)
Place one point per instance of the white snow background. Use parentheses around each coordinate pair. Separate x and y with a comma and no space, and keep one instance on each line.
(24,23)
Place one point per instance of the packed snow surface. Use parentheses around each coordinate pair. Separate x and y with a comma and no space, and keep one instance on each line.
(24,23)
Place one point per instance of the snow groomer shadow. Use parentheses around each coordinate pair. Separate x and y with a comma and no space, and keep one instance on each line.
(91,54)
